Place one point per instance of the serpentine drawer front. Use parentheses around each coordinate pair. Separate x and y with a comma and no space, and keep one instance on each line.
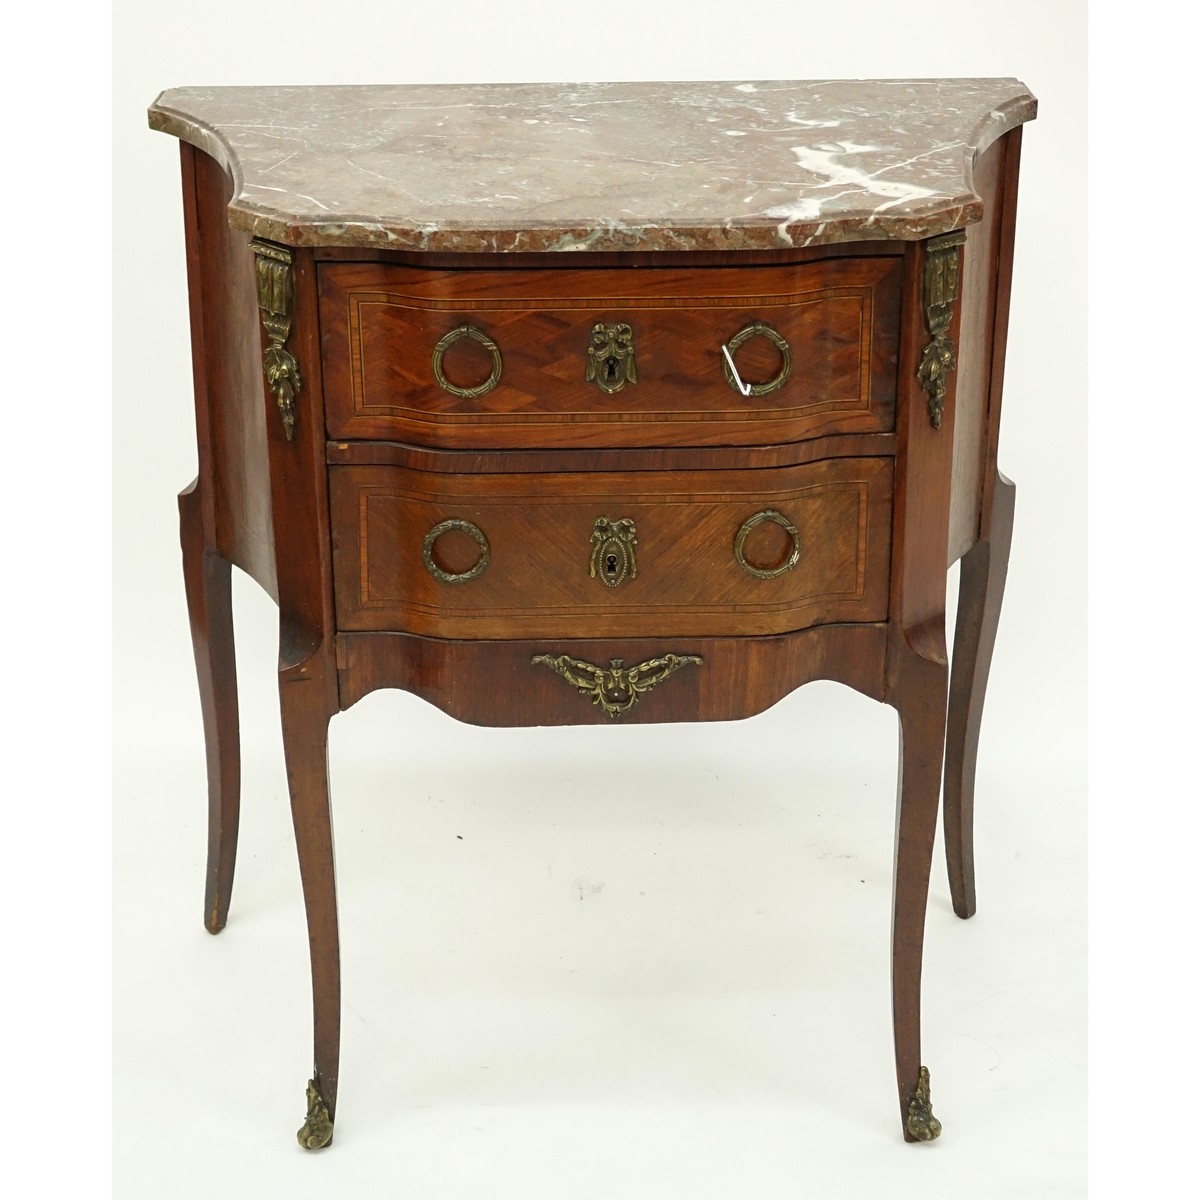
(582,442)
(816,340)
(525,565)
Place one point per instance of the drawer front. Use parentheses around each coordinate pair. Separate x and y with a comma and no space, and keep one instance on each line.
(516,343)
(609,555)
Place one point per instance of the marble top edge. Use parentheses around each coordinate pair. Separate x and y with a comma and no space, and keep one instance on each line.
(599,166)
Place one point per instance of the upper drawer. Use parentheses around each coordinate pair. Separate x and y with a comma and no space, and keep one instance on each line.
(519,378)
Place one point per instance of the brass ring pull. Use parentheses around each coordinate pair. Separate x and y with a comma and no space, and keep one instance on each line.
(476,335)
(481,563)
(739,545)
(757,329)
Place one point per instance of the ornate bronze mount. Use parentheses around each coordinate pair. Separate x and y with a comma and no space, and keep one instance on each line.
(472,531)
(757,329)
(739,545)
(273,270)
(317,1130)
(618,688)
(940,292)
(921,1123)
(613,558)
(610,361)
(476,335)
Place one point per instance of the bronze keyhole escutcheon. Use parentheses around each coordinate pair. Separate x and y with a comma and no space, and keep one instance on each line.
(613,559)
(610,359)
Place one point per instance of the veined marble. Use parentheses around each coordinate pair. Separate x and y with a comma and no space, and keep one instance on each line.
(599,166)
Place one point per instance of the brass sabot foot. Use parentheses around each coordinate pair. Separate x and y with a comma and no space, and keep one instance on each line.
(317,1130)
(921,1124)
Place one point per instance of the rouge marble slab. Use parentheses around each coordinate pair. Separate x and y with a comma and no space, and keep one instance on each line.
(599,166)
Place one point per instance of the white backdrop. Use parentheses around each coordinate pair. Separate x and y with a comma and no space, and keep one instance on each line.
(680,988)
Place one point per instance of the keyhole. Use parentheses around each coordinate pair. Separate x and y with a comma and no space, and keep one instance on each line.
(610,368)
(610,564)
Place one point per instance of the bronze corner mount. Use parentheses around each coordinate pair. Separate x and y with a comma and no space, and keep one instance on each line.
(939,292)
(273,274)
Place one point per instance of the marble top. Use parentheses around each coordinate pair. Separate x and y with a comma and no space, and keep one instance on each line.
(599,166)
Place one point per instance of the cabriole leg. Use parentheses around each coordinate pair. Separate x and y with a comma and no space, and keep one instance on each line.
(980,595)
(921,703)
(206,577)
(306,714)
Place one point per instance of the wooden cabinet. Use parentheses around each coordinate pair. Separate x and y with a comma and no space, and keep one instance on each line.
(582,443)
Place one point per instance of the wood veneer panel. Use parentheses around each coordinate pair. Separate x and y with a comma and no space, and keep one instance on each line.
(664,458)
(738,677)
(539,530)
(921,499)
(641,260)
(221,270)
(1008,233)
(978,305)
(380,325)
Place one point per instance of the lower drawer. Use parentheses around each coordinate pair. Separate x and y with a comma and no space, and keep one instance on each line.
(605,554)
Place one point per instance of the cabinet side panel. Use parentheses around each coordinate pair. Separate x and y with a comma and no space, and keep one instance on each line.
(1004,276)
(975,354)
(233,359)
